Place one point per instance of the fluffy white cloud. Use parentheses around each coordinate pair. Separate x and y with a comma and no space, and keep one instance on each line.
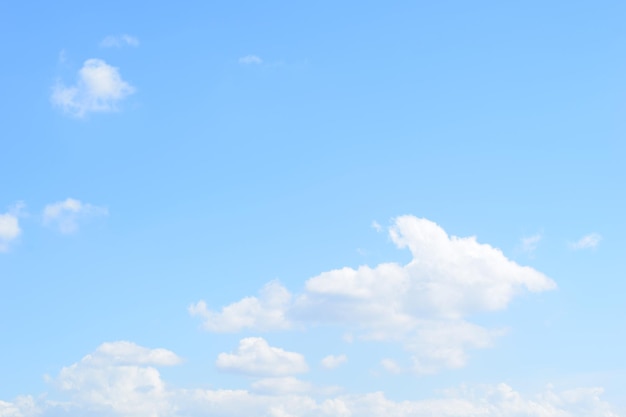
(332,361)
(9,230)
(266,312)
(116,380)
(250,59)
(65,215)
(118,41)
(422,304)
(589,241)
(99,88)
(255,356)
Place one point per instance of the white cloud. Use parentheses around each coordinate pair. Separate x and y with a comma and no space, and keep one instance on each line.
(332,361)
(23,406)
(116,380)
(589,241)
(66,215)
(9,230)
(119,380)
(99,88)
(250,59)
(422,305)
(103,385)
(255,356)
(266,312)
(118,41)
(530,243)
(376,226)
(123,352)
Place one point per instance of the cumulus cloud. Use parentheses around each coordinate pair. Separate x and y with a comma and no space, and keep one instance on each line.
(117,388)
(332,361)
(266,312)
(255,356)
(119,379)
(9,230)
(118,41)
(66,215)
(589,241)
(250,59)
(99,88)
(423,304)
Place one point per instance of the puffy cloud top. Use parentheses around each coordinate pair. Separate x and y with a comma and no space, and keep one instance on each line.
(256,357)
(99,88)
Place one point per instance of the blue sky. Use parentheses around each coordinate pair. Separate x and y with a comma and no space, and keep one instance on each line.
(320,209)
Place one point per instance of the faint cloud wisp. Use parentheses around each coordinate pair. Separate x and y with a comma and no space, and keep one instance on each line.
(118,41)
(530,243)
(589,241)
(250,59)
(66,215)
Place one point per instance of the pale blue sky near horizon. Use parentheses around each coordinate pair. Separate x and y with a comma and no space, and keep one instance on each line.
(226,145)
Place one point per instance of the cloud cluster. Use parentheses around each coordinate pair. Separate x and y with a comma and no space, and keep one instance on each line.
(99,88)
(66,215)
(424,304)
(121,379)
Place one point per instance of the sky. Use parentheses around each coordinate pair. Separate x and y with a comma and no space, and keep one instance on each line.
(294,209)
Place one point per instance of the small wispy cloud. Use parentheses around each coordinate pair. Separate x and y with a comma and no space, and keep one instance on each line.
(66,215)
(118,41)
(98,89)
(589,241)
(529,244)
(250,60)
(391,366)
(62,56)
(376,226)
